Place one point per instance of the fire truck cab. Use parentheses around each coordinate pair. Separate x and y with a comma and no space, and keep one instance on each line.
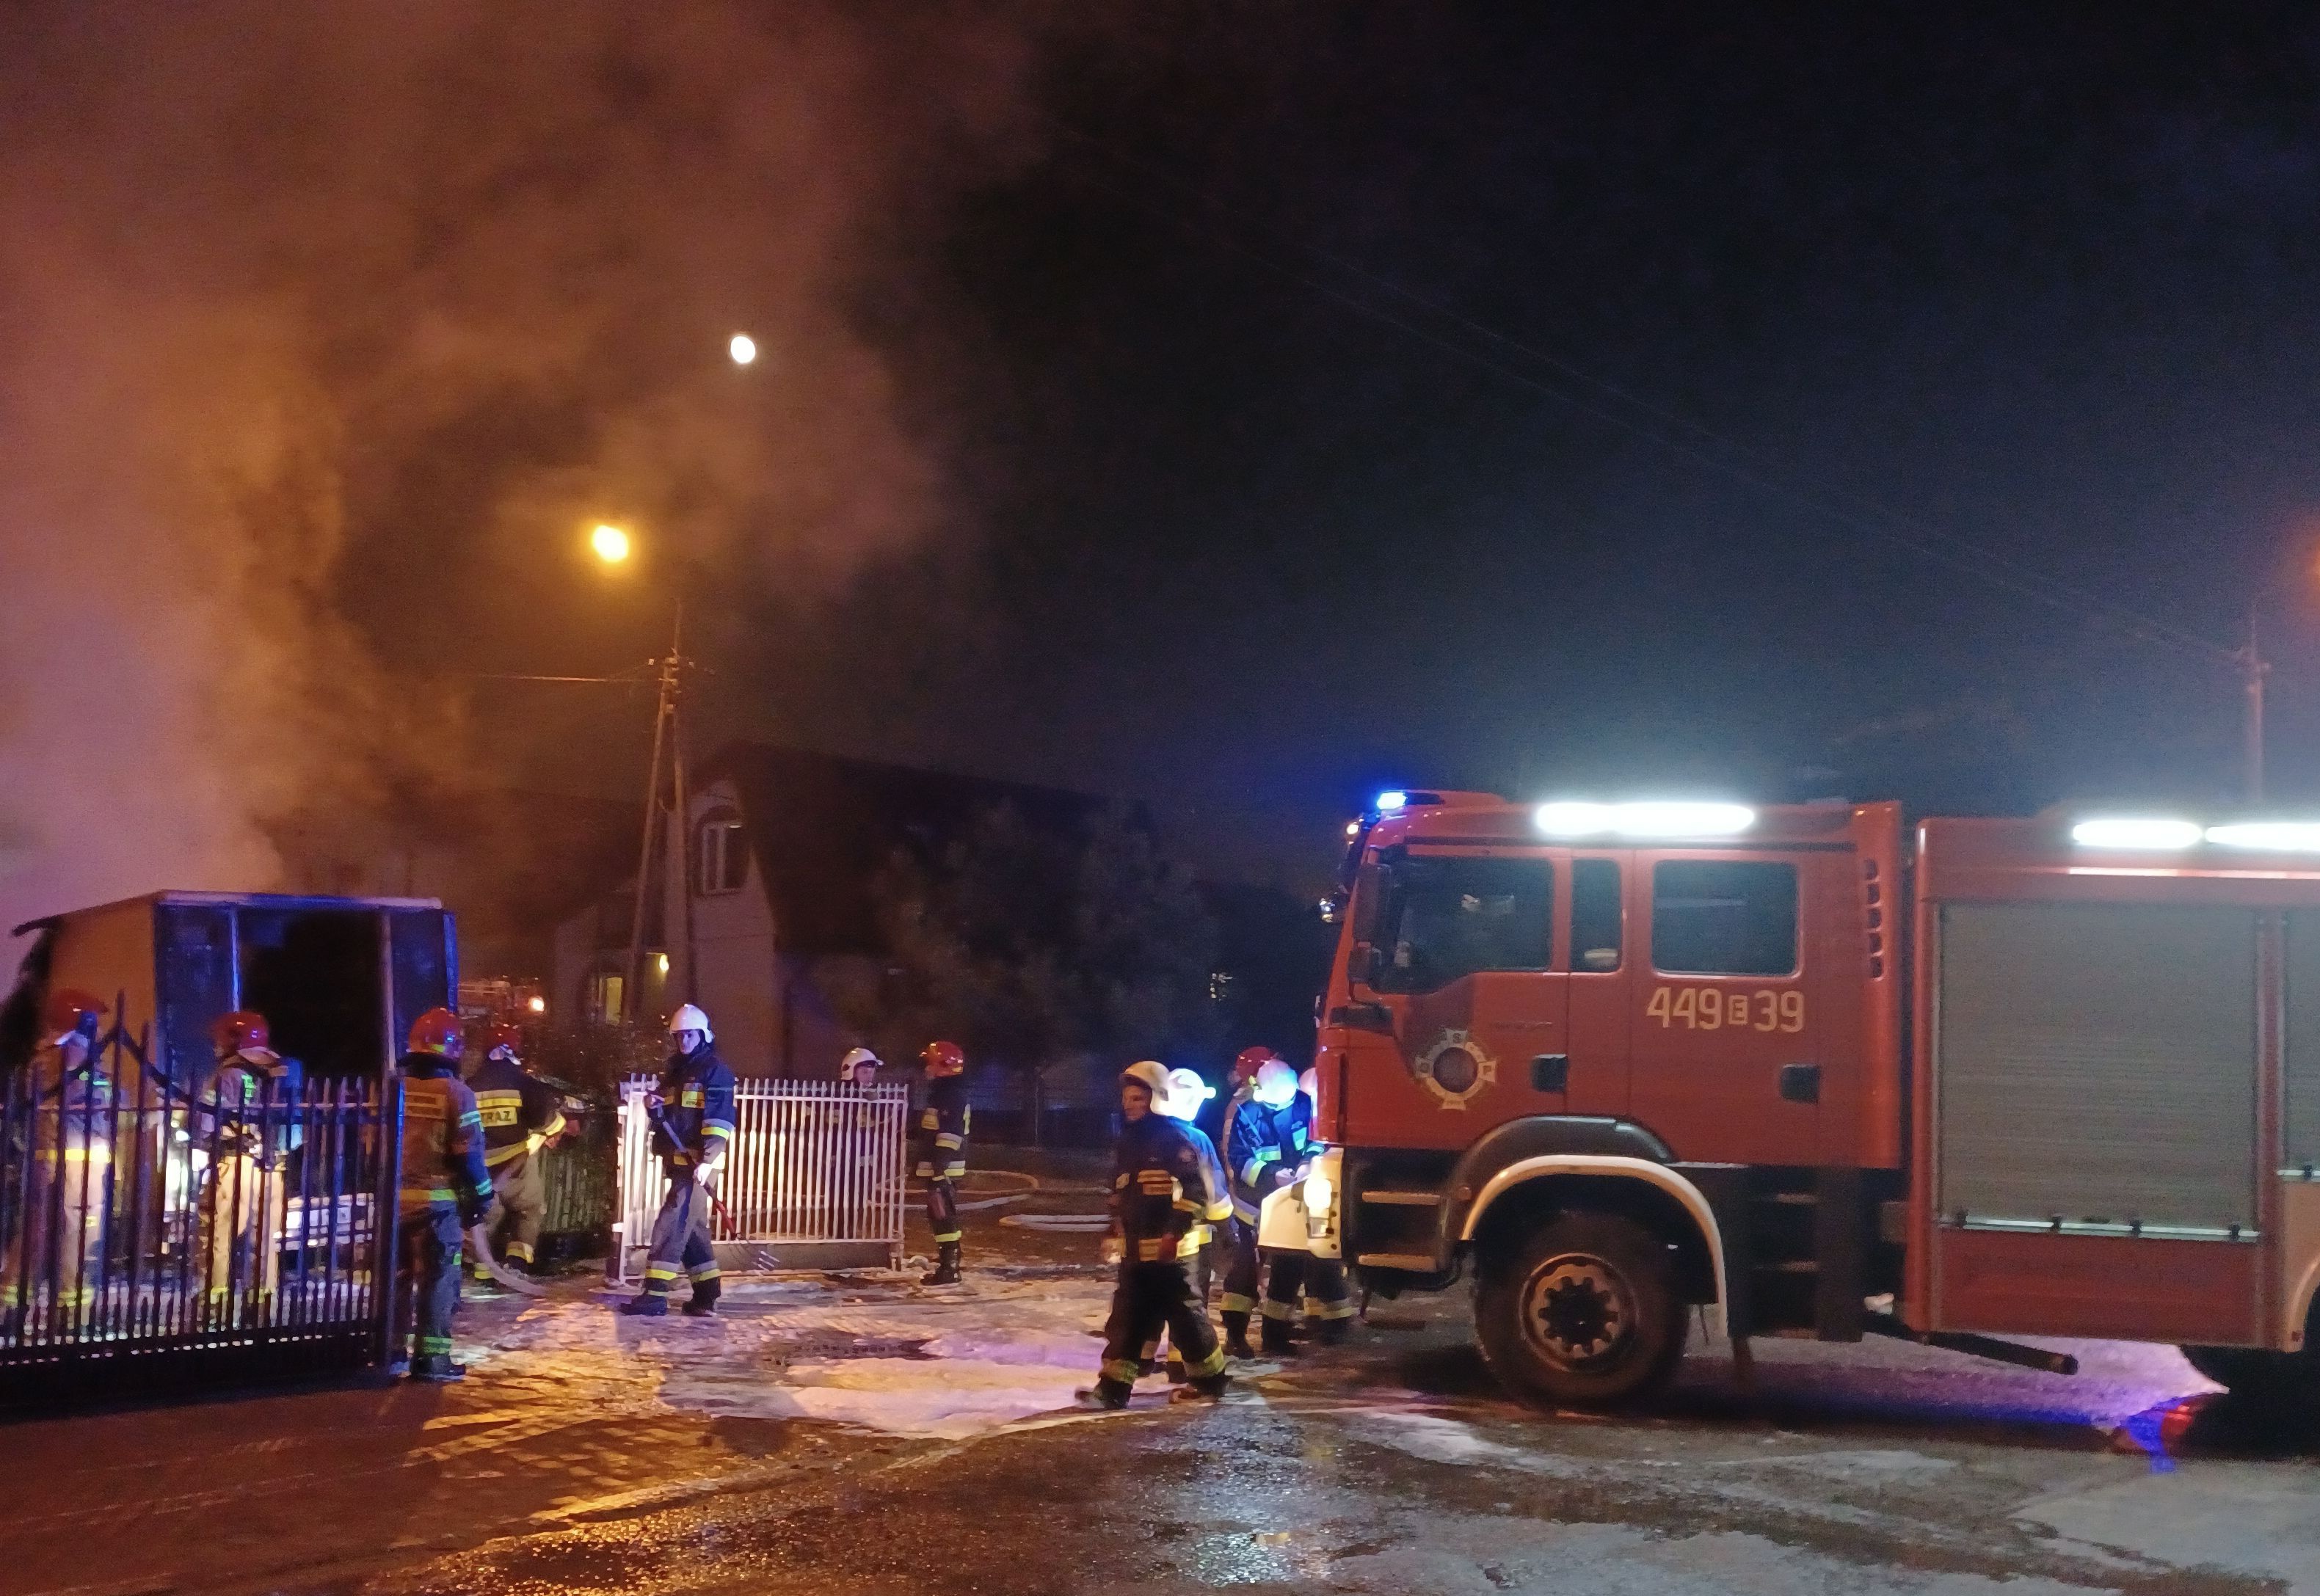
(2012,1077)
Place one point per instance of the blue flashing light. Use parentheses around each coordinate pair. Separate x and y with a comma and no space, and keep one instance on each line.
(1391,802)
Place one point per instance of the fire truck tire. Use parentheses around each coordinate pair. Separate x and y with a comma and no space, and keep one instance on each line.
(2273,1379)
(1583,1314)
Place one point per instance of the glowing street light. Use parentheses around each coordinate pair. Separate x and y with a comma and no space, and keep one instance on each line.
(742,347)
(609,542)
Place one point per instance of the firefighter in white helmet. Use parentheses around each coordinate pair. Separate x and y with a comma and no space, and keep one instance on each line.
(1186,1095)
(1253,1151)
(856,1187)
(1328,1302)
(691,1115)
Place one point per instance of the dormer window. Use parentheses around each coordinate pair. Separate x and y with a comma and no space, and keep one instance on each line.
(720,854)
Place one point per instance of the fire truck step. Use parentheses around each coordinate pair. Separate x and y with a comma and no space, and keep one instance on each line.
(1414,1262)
(1404,1199)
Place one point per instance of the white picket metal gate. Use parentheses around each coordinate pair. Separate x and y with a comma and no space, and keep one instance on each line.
(814,1178)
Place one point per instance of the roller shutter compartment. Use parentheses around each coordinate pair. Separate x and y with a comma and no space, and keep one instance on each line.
(2097,1065)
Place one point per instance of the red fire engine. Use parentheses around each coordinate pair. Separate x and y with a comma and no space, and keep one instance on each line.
(2011,1077)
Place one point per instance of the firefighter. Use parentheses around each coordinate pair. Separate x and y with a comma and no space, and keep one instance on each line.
(1159,1190)
(857,1185)
(447,1192)
(249,1120)
(59,1242)
(1186,1095)
(1253,1162)
(692,1132)
(939,1153)
(1328,1302)
(860,1068)
(521,1114)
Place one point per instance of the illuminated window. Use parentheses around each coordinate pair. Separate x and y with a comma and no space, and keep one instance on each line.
(720,854)
(1724,917)
(605,991)
(1445,918)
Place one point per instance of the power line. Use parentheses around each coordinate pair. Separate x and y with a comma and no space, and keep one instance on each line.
(1674,432)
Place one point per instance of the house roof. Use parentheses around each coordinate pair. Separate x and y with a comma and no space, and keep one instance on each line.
(822,827)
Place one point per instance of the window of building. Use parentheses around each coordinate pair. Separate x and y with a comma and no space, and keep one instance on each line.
(1597,919)
(605,992)
(1724,917)
(1449,917)
(721,854)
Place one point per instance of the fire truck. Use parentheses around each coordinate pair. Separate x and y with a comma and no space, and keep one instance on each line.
(1824,1076)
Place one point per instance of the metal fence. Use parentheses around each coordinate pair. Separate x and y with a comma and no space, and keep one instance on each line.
(153,1235)
(814,1175)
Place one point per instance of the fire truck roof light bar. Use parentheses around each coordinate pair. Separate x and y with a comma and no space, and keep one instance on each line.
(2277,837)
(1661,819)
(2139,834)
(1392,803)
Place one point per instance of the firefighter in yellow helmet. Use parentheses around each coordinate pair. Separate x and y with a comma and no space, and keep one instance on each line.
(1159,1189)
(939,1153)
(447,1192)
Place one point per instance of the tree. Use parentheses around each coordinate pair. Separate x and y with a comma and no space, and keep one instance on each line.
(1032,943)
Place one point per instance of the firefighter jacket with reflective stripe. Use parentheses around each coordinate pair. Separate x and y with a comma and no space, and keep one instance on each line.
(516,1106)
(1159,1188)
(1219,1207)
(1294,1127)
(1253,1155)
(251,1107)
(695,1123)
(442,1138)
(938,1144)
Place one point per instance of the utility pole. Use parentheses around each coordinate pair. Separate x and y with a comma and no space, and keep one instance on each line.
(2253,669)
(670,680)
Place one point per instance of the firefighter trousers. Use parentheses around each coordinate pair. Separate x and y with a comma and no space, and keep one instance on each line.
(244,1205)
(55,1253)
(942,1211)
(1147,1298)
(1295,1280)
(680,1238)
(522,1191)
(1202,1266)
(426,1280)
(1241,1266)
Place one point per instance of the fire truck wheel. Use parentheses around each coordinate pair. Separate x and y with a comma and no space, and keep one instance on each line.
(1584,1314)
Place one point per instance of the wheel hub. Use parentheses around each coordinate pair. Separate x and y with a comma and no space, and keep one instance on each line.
(1577,1310)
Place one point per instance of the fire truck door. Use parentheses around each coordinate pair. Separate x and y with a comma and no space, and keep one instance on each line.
(1465,971)
(1720,1006)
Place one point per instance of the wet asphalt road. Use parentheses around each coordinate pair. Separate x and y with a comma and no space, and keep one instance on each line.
(1389,1466)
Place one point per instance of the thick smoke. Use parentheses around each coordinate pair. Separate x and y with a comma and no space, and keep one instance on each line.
(321,325)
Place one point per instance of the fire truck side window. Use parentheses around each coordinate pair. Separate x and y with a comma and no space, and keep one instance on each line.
(1445,918)
(1595,917)
(1724,917)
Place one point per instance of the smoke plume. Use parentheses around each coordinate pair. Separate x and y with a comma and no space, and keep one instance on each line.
(324,329)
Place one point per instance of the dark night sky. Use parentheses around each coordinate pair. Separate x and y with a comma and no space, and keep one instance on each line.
(2041,283)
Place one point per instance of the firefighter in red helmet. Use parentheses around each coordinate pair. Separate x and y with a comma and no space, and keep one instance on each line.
(61,1222)
(520,1114)
(249,1124)
(939,1153)
(446,1191)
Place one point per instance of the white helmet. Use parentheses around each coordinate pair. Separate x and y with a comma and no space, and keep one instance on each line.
(691,1017)
(1276,1083)
(859,1057)
(1152,1077)
(1186,1093)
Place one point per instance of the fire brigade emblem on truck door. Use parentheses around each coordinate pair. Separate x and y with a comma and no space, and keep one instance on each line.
(1456,1069)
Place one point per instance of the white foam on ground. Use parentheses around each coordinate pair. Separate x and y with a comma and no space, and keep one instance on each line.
(987,1354)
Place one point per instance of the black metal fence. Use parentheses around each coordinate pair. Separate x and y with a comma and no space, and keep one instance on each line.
(582,1183)
(152,1236)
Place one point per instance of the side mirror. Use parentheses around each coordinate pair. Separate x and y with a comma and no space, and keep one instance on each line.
(1362,965)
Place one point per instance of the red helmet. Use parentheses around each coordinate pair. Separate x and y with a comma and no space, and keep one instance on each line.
(487,1036)
(69,1009)
(1248,1061)
(241,1029)
(437,1031)
(943,1058)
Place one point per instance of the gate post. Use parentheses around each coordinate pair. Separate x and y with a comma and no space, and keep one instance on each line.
(386,1220)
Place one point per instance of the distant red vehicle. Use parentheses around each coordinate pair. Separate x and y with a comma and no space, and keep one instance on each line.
(2046,1077)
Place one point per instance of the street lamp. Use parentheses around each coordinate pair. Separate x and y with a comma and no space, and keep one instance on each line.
(609,543)
(742,347)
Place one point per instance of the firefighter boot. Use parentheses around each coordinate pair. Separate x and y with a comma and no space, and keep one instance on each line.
(436,1368)
(945,1266)
(647,1305)
(1274,1341)
(704,1302)
(1209,1390)
(1236,1334)
(1107,1395)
